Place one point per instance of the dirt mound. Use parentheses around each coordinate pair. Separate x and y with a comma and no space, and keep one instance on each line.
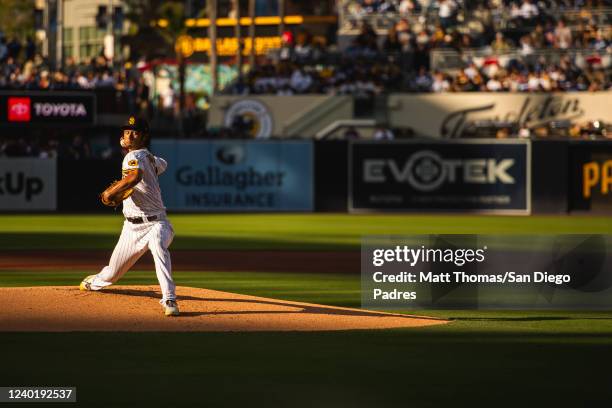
(136,308)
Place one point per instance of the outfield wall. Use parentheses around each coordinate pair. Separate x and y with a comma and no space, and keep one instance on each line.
(447,115)
(461,176)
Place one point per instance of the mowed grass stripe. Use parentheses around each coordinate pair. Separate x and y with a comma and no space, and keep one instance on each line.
(276,231)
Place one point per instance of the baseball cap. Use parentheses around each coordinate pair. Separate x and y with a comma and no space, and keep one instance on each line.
(137,124)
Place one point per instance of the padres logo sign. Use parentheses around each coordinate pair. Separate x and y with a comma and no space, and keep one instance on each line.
(596,176)
(251,115)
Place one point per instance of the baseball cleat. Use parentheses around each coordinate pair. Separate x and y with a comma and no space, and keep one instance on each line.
(86,284)
(170,308)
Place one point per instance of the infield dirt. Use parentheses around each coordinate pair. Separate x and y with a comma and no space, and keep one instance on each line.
(136,308)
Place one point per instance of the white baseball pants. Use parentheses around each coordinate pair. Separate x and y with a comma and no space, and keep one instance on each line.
(134,241)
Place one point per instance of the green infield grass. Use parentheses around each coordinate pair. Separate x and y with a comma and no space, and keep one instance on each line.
(276,231)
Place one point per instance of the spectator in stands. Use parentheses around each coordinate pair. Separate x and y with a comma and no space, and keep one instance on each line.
(529,12)
(526,47)
(30,49)
(539,38)
(563,35)
(515,12)
(383,133)
(48,149)
(463,83)
(600,43)
(440,82)
(494,84)
(446,13)
(78,149)
(3,50)
(392,43)
(366,43)
(406,7)
(300,80)
(17,148)
(303,48)
(500,44)
(14,48)
(351,134)
(423,81)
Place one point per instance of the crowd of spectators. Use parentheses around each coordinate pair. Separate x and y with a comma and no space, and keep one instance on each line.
(366,68)
(450,11)
(36,75)
(504,45)
(23,68)
(76,148)
(560,24)
(515,76)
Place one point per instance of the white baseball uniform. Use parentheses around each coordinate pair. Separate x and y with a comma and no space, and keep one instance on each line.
(156,235)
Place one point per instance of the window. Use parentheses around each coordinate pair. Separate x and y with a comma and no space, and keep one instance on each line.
(91,41)
(68,42)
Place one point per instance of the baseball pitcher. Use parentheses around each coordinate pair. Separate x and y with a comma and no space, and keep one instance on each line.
(146,226)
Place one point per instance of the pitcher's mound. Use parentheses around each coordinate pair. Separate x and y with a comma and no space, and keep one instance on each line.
(136,308)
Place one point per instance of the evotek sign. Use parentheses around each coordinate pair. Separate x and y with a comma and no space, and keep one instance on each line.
(462,175)
(27,184)
(427,171)
(46,108)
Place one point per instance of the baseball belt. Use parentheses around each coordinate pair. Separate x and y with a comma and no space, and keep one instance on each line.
(140,220)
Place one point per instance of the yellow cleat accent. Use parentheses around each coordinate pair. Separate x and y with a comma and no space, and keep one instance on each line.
(86,284)
(170,308)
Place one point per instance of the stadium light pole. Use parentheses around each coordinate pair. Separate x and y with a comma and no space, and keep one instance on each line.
(238,34)
(252,33)
(47,27)
(109,38)
(281,15)
(59,35)
(212,15)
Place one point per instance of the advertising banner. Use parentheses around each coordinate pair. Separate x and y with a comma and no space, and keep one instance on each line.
(236,175)
(282,116)
(447,115)
(45,108)
(591,176)
(467,175)
(28,184)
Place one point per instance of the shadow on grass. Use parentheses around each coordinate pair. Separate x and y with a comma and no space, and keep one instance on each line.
(75,241)
(524,319)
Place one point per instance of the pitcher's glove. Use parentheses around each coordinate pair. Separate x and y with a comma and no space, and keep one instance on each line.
(114,199)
